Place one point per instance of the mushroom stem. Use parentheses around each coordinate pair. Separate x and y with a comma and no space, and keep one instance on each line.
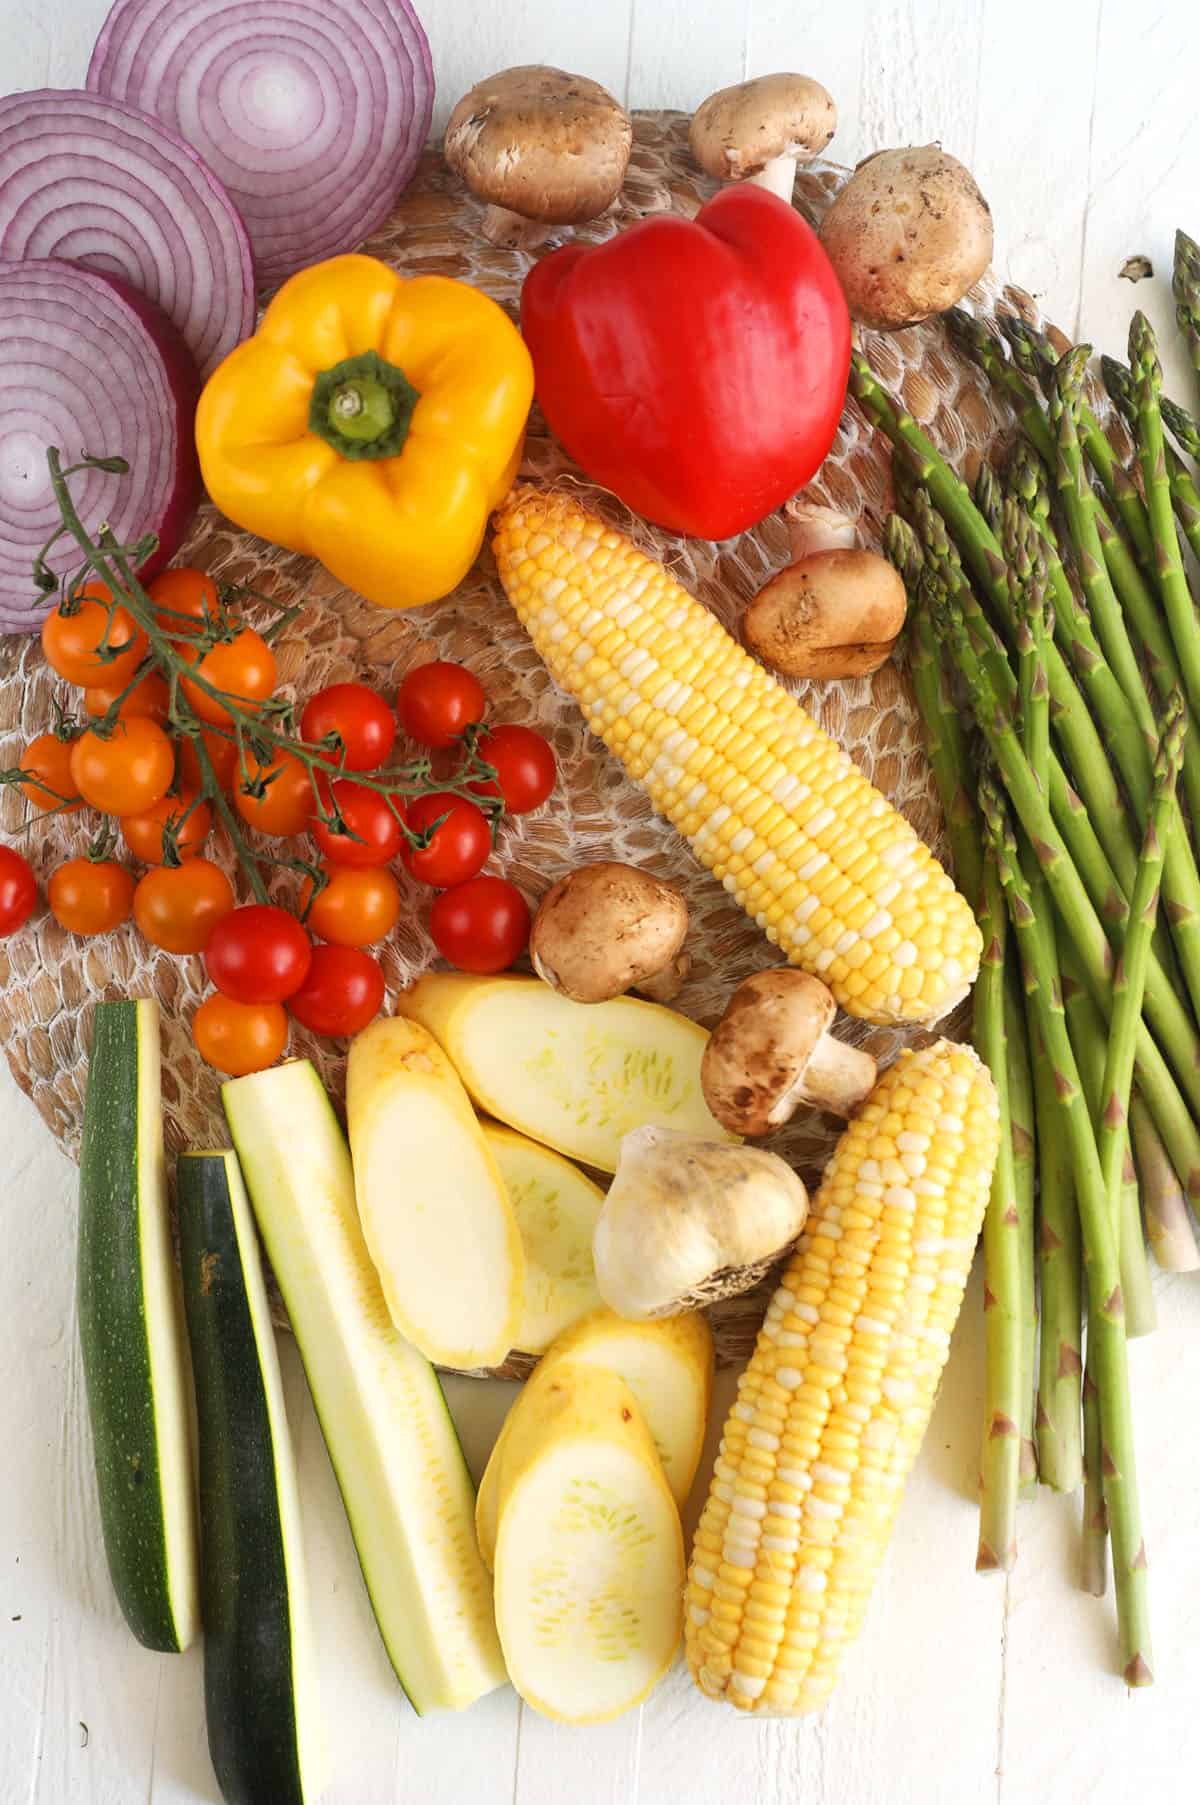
(836,1079)
(778,174)
(664,986)
(501,226)
(813,527)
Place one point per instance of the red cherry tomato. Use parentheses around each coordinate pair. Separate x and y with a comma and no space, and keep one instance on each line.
(524,765)
(342,992)
(481,926)
(18,890)
(374,834)
(258,954)
(458,847)
(361,720)
(438,702)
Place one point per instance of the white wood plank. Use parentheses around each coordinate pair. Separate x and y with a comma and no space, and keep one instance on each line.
(469,42)
(677,59)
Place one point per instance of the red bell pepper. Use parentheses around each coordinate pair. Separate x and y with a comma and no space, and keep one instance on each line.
(696,368)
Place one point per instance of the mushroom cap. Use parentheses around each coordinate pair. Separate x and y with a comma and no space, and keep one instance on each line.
(540,142)
(757,1055)
(833,614)
(605,929)
(738,130)
(908,235)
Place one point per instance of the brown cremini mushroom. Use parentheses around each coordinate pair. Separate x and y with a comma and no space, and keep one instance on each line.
(759,130)
(608,928)
(831,614)
(908,235)
(772,1051)
(542,147)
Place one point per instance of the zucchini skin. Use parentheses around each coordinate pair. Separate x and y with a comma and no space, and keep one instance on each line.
(113,1331)
(250,1707)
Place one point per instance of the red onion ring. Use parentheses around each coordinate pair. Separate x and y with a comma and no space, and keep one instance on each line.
(95,181)
(91,366)
(311,112)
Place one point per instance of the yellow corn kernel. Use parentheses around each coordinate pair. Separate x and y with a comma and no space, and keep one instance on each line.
(770,804)
(812,1465)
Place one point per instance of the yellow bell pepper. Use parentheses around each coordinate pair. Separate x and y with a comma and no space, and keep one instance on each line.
(372,421)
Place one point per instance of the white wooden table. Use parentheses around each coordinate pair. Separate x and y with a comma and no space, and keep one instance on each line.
(1079,120)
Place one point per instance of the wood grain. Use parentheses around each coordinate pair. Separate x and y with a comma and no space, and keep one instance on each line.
(1080,120)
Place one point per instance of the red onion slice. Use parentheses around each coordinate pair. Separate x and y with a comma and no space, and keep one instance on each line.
(91,366)
(312,112)
(98,182)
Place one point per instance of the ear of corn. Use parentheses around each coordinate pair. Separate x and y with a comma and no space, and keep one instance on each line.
(832,1408)
(769,803)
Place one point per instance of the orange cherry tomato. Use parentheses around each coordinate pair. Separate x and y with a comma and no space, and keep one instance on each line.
(357,905)
(239,1037)
(287,799)
(90,896)
(128,770)
(243,668)
(73,641)
(143,834)
(222,755)
(150,698)
(186,600)
(50,784)
(178,906)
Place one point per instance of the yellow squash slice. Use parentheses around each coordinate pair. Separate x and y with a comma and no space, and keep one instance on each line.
(556,1209)
(589,1558)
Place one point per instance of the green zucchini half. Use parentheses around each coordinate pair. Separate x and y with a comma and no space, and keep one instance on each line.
(260,1667)
(404,1482)
(131,1333)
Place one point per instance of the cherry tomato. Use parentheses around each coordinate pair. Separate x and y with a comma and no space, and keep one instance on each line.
(258,954)
(359,716)
(186,600)
(370,818)
(524,765)
(50,784)
(90,896)
(342,992)
(239,1037)
(459,847)
(438,702)
(72,642)
(287,799)
(481,926)
(143,834)
(222,755)
(128,770)
(355,907)
(18,890)
(150,697)
(243,668)
(178,906)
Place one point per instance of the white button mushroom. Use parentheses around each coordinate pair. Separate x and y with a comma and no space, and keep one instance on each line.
(542,147)
(608,928)
(687,1222)
(908,235)
(759,130)
(772,1051)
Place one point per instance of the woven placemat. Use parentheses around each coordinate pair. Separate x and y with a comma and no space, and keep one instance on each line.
(49,979)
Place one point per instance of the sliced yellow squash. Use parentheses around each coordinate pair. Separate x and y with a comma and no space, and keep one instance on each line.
(576,1076)
(557,1209)
(434,1211)
(589,1558)
(667,1365)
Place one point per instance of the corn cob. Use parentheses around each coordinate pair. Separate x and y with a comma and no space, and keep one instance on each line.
(831,1410)
(770,804)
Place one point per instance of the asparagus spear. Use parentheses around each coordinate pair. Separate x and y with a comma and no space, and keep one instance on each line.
(1106,1323)
(1164,1091)
(1186,288)
(1185,497)
(1168,1222)
(1060,1354)
(988,498)
(1146,372)
(1094,1552)
(1001,1463)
